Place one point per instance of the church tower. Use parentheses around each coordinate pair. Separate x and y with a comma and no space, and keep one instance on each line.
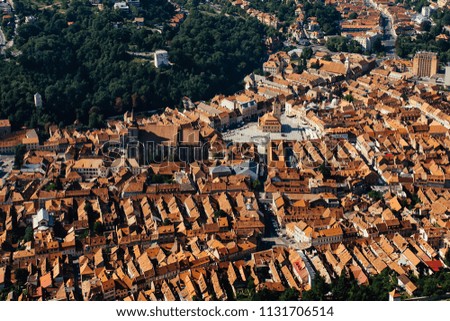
(348,68)
(277,107)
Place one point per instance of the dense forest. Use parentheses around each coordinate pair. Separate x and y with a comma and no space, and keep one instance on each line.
(78,59)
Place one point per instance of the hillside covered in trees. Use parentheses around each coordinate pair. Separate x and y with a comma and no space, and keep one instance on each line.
(80,60)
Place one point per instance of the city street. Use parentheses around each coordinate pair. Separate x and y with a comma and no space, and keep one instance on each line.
(2,41)
(4,44)
(6,165)
(276,235)
(389,33)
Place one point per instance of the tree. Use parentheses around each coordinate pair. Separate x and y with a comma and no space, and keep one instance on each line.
(375,195)
(50,187)
(377,46)
(290,294)
(425,25)
(251,284)
(266,295)
(98,228)
(381,285)
(349,98)
(29,234)
(318,291)
(340,288)
(447,258)
(407,46)
(307,53)
(353,15)
(346,288)
(256,184)
(343,44)
(86,64)
(327,16)
(283,10)
(95,121)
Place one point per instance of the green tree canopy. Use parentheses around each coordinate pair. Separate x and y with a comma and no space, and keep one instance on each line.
(84,70)
(29,234)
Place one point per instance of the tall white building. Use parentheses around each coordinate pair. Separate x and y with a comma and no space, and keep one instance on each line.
(161,58)
(37,100)
(447,76)
(122,5)
(426,11)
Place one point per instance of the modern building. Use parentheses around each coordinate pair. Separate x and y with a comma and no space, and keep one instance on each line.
(425,64)
(426,11)
(161,58)
(122,5)
(37,100)
(447,76)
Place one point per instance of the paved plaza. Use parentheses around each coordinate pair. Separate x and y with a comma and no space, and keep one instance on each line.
(293,128)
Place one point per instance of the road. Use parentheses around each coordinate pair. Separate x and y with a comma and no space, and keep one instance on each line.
(389,36)
(4,45)
(274,235)
(388,29)
(6,166)
(2,38)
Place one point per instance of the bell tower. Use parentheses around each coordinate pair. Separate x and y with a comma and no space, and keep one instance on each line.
(276,109)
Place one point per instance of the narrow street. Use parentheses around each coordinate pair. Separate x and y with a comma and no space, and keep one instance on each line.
(4,43)
(390,37)
(275,235)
